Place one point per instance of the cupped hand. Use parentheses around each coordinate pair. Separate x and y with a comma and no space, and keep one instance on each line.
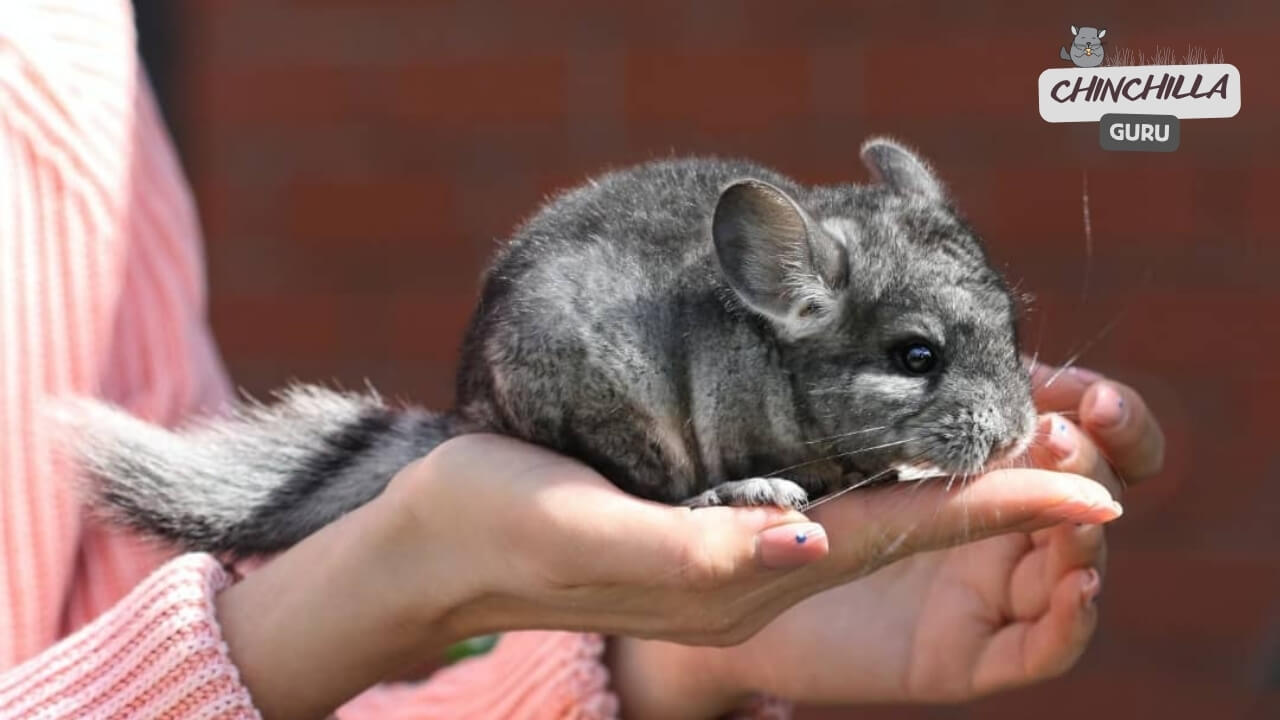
(488,534)
(946,625)
(532,539)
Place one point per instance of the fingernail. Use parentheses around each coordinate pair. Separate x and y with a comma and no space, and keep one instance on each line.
(1107,409)
(1091,588)
(1096,506)
(1085,375)
(1097,510)
(1061,440)
(791,545)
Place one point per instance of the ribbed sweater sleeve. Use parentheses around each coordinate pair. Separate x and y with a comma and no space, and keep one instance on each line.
(156,654)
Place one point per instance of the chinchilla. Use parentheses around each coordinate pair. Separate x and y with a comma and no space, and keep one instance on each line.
(1087,50)
(700,331)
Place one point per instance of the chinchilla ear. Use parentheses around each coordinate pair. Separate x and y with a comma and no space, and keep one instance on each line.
(1074,31)
(900,169)
(1102,34)
(777,260)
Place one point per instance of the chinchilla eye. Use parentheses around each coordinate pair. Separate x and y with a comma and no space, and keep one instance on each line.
(917,358)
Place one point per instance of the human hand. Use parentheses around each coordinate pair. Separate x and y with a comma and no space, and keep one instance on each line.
(488,534)
(536,540)
(573,552)
(937,626)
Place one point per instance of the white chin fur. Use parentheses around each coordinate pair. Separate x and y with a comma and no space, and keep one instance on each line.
(911,473)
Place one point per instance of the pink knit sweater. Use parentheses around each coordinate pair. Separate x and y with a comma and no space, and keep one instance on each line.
(101,293)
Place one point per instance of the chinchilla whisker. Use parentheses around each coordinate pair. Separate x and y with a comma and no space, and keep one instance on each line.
(862,483)
(1088,233)
(843,454)
(1085,348)
(873,447)
(1035,357)
(845,435)
(832,496)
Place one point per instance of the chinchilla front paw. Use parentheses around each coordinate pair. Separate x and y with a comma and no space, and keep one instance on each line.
(753,491)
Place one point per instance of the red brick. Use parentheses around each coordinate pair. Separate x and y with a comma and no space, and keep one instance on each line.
(717,91)
(1157,326)
(1189,616)
(457,94)
(388,207)
(314,33)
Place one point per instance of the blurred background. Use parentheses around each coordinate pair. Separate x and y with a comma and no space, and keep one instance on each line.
(354,163)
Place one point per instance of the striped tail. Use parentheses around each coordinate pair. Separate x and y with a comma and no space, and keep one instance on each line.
(255,482)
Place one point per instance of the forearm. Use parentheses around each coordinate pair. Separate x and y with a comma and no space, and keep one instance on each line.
(330,617)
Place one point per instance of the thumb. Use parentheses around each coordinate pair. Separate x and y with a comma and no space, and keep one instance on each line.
(703,547)
(876,527)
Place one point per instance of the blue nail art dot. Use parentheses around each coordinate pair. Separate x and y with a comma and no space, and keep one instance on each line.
(1121,402)
(800,538)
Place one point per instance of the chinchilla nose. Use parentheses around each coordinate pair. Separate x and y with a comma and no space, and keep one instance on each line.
(1011,426)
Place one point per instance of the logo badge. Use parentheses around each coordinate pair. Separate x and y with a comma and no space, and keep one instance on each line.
(1138,106)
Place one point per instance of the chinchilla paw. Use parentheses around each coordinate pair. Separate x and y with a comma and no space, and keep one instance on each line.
(753,491)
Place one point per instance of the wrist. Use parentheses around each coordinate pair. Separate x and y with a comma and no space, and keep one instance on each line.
(332,616)
(437,576)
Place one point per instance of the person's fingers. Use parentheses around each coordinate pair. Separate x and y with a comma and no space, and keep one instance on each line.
(1113,413)
(1056,551)
(1129,435)
(1027,651)
(878,526)
(1058,390)
(618,538)
(1060,445)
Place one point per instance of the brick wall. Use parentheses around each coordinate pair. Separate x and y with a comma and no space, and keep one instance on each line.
(354,162)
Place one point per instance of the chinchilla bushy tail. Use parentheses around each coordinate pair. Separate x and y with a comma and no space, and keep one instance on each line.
(1062,53)
(253,482)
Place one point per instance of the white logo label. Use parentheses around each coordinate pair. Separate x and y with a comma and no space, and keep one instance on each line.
(1184,91)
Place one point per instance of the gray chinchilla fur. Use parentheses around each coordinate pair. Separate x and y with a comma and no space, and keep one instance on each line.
(702,331)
